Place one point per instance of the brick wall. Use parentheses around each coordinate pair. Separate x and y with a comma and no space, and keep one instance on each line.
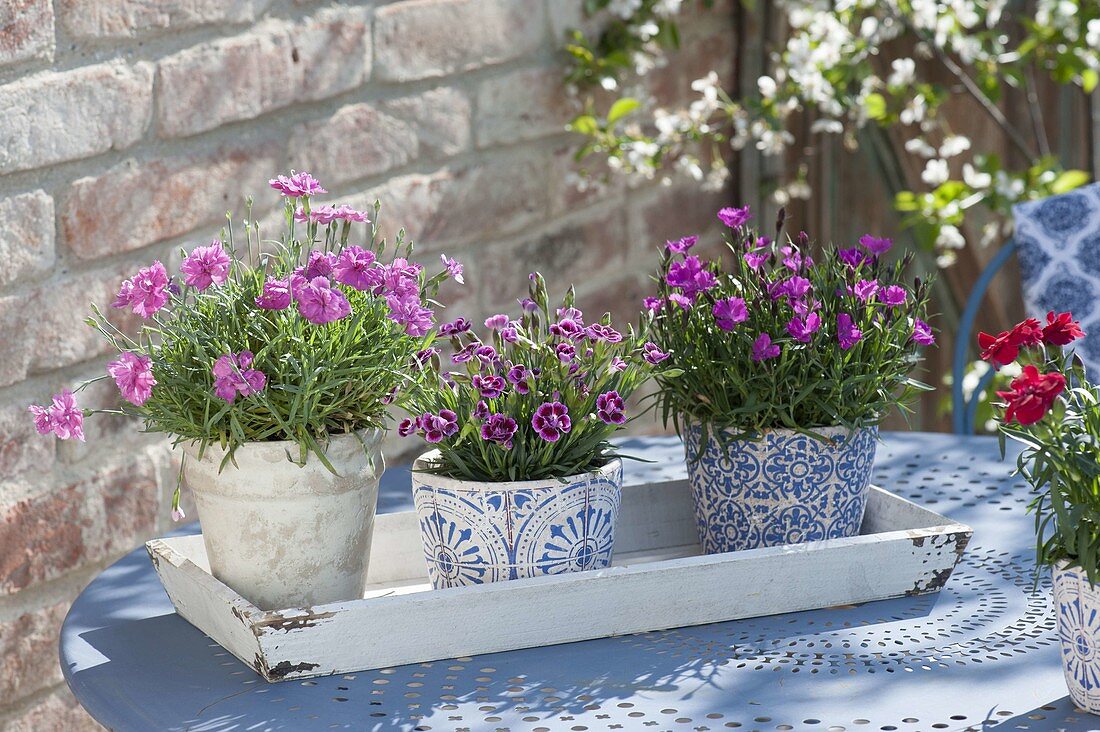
(128,128)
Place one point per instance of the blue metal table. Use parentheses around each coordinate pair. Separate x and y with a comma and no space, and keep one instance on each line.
(982,653)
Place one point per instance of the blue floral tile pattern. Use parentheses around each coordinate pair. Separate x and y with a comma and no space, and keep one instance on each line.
(488,532)
(1078,613)
(785,488)
(1059,256)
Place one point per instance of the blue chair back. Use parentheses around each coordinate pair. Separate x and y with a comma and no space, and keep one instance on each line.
(1057,245)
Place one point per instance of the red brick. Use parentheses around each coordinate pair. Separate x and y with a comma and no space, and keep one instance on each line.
(135,204)
(582,250)
(522,105)
(21,447)
(26,31)
(463,204)
(621,297)
(26,236)
(90,19)
(28,651)
(78,522)
(672,212)
(58,711)
(362,140)
(266,69)
(418,39)
(52,117)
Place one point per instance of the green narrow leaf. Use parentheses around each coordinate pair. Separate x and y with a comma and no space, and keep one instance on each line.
(621,108)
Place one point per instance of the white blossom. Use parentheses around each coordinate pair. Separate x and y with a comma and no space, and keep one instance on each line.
(950,237)
(767,87)
(624,9)
(903,72)
(918,146)
(666,8)
(829,126)
(975,178)
(935,172)
(954,145)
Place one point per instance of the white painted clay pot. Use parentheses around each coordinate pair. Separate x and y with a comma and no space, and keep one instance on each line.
(1077,608)
(284,535)
(476,532)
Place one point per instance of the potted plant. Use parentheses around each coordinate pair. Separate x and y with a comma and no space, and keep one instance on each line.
(790,359)
(271,365)
(523,481)
(1054,412)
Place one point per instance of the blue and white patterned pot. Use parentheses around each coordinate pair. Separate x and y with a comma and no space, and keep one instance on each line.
(784,488)
(1078,608)
(488,532)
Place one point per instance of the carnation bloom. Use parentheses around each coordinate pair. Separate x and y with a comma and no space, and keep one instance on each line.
(893,296)
(320,264)
(355,267)
(320,303)
(347,213)
(652,304)
(459,325)
(499,428)
(865,289)
(609,408)
(275,295)
(802,329)
(734,217)
(874,245)
(684,301)
(489,387)
(852,257)
(296,185)
(407,311)
(755,258)
(601,332)
(652,354)
(454,268)
(551,421)
(690,276)
(63,417)
(233,376)
(729,312)
(133,374)
(846,331)
(146,292)
(496,322)
(406,427)
(922,333)
(1003,348)
(763,348)
(438,426)
(1061,329)
(206,266)
(682,245)
(568,328)
(566,352)
(1031,395)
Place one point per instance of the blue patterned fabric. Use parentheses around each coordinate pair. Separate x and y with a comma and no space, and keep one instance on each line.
(785,488)
(1058,240)
(475,533)
(1078,614)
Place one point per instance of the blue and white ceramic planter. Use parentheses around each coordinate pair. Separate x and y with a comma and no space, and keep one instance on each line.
(489,532)
(1077,604)
(785,488)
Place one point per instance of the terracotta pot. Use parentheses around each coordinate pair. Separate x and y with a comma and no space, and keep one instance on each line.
(284,535)
(1077,608)
(784,488)
(477,532)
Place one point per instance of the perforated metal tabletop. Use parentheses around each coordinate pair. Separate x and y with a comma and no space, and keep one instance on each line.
(982,653)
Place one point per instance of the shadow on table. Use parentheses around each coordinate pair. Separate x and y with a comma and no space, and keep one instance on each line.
(1061,715)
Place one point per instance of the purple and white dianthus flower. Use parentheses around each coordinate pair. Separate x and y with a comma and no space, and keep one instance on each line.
(609,408)
(551,421)
(489,387)
(652,354)
(406,427)
(568,328)
(453,267)
(438,426)
(481,410)
(499,428)
(496,322)
(455,327)
(565,352)
(601,332)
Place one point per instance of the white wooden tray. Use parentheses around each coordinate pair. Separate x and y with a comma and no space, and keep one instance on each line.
(659,579)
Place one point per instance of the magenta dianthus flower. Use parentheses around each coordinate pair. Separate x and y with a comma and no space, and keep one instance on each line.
(454,268)
(496,322)
(233,376)
(893,296)
(875,245)
(320,303)
(133,375)
(682,245)
(865,289)
(691,276)
(275,295)
(734,217)
(802,329)
(406,311)
(729,312)
(551,421)
(320,264)
(652,304)
(356,267)
(63,417)
(922,333)
(296,185)
(206,266)
(852,257)
(846,331)
(763,348)
(146,292)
